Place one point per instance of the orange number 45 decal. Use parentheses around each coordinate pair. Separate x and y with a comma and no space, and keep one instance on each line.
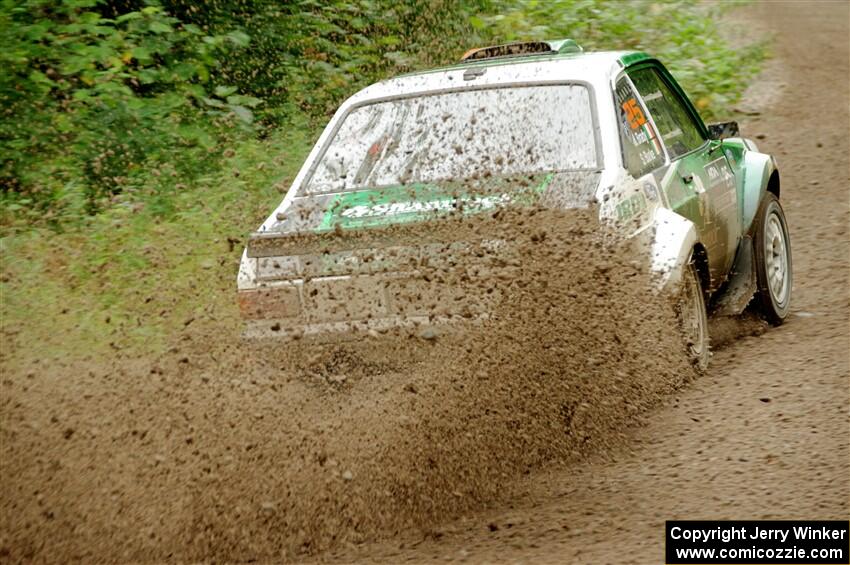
(633,113)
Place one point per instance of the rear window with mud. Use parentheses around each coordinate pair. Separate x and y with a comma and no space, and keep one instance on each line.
(459,135)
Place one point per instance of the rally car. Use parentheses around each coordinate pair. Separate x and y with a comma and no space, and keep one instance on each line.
(610,128)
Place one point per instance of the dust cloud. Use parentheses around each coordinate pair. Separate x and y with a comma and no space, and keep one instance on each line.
(224,449)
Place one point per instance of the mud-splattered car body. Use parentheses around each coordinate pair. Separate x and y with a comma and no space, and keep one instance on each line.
(611,129)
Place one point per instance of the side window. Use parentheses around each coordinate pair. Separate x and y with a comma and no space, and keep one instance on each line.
(677,127)
(642,150)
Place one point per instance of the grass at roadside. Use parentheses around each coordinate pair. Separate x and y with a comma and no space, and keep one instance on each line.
(130,276)
(152,263)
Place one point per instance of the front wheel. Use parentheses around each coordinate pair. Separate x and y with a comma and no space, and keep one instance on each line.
(693,318)
(774,272)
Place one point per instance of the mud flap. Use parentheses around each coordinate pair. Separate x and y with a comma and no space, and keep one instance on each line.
(739,289)
(673,242)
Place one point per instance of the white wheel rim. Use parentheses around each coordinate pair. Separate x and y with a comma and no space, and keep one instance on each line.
(776,258)
(692,320)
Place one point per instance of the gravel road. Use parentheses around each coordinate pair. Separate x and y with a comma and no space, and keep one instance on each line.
(526,442)
(765,434)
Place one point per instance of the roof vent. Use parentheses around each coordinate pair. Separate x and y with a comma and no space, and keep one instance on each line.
(555,47)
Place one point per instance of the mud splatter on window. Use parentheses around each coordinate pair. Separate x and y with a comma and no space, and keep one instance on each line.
(460,135)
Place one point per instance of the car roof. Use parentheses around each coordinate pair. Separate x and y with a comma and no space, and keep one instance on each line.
(596,68)
(579,58)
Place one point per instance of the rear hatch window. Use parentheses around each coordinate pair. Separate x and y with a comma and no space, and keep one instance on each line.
(457,135)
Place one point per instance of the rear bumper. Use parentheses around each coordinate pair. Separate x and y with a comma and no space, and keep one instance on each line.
(354,290)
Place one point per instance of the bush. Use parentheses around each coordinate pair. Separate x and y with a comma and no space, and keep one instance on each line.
(90,101)
(308,54)
(684,34)
(98,94)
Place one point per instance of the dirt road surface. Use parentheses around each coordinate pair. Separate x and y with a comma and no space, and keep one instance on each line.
(582,434)
(765,434)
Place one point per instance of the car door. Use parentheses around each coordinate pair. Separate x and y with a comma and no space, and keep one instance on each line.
(699,183)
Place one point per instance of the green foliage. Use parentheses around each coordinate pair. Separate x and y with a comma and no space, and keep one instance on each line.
(98,95)
(91,102)
(133,274)
(684,34)
(310,54)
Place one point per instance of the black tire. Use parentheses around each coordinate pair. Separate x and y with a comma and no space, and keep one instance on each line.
(774,269)
(693,317)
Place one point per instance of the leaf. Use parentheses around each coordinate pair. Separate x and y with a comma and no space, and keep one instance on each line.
(148,76)
(141,54)
(185,71)
(194,90)
(203,72)
(213,102)
(159,27)
(129,16)
(38,30)
(243,113)
(248,101)
(82,94)
(390,40)
(224,91)
(239,38)
(40,78)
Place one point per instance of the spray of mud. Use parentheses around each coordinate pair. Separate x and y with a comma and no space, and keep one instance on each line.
(222,450)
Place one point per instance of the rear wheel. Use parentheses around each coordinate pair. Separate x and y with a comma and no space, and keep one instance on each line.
(693,318)
(774,272)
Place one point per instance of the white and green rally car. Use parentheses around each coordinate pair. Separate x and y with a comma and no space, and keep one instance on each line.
(609,127)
